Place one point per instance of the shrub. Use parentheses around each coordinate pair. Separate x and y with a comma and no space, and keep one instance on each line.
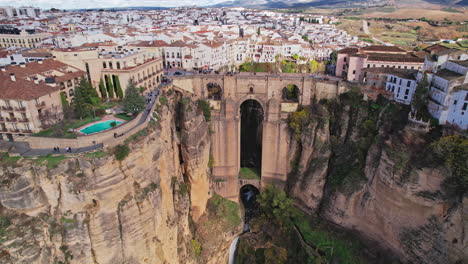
(121,152)
(205,107)
(163,100)
(196,247)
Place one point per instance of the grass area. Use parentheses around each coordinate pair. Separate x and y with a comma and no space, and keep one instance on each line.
(225,209)
(249,173)
(96,154)
(52,161)
(61,130)
(6,160)
(338,249)
(124,116)
(451,10)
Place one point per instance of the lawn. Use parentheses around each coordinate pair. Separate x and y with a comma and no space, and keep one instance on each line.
(225,209)
(6,160)
(249,173)
(52,161)
(336,245)
(97,154)
(61,130)
(124,116)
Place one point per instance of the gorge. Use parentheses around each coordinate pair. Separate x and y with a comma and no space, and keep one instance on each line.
(357,164)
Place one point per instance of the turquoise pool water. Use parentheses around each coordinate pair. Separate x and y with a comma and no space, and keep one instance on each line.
(98,127)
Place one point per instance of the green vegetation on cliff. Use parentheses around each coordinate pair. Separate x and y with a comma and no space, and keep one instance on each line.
(453,150)
(281,233)
(227,211)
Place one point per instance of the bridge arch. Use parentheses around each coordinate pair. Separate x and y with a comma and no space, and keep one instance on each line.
(252,117)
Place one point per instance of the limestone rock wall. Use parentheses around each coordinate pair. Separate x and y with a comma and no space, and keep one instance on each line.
(195,146)
(100,210)
(403,210)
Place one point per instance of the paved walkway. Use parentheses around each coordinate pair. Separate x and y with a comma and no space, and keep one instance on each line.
(23,148)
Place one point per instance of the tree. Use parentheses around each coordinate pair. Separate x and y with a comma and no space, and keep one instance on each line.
(304,37)
(102,89)
(110,87)
(277,206)
(420,97)
(85,97)
(258,31)
(453,150)
(133,101)
(118,89)
(314,66)
(333,57)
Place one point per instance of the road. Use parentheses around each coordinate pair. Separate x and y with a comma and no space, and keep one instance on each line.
(365,29)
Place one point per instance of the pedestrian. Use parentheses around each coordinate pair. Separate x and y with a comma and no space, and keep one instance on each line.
(55,149)
(69,149)
(58,149)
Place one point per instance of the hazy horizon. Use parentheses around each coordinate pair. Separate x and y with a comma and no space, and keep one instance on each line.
(87,4)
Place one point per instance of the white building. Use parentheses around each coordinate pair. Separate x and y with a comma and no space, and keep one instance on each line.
(402,86)
(448,94)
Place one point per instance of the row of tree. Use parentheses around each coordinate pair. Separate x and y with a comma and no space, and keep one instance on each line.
(110,91)
(87,100)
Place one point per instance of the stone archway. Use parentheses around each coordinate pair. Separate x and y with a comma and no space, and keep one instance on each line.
(251,139)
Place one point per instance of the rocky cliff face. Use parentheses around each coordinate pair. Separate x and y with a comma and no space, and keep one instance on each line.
(100,210)
(362,170)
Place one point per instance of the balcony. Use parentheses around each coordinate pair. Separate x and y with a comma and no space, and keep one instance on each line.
(20,109)
(24,120)
(41,105)
(26,131)
(7,108)
(3,129)
(14,130)
(12,120)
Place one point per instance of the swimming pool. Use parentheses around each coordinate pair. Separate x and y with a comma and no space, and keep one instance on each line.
(98,127)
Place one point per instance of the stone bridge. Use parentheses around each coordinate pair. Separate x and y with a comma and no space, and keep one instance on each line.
(230,92)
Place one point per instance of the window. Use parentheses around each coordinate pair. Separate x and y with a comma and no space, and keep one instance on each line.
(344,59)
(406,92)
(466,97)
(455,102)
(354,72)
(465,105)
(368,65)
(104,65)
(408,84)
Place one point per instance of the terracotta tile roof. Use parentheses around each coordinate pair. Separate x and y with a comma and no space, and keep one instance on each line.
(402,73)
(22,89)
(463,63)
(383,48)
(348,51)
(394,57)
(448,74)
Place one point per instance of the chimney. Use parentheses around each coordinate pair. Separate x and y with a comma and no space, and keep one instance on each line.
(22,65)
(40,61)
(36,80)
(3,68)
(12,76)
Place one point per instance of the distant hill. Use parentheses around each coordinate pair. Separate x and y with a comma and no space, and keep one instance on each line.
(326,3)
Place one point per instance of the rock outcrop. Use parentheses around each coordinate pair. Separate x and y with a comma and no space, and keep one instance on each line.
(358,171)
(100,210)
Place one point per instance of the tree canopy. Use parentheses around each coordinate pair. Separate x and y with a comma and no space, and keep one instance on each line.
(85,98)
(133,102)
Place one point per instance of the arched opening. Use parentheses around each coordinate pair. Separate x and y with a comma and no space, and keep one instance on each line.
(248,196)
(251,139)
(215,92)
(291,93)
